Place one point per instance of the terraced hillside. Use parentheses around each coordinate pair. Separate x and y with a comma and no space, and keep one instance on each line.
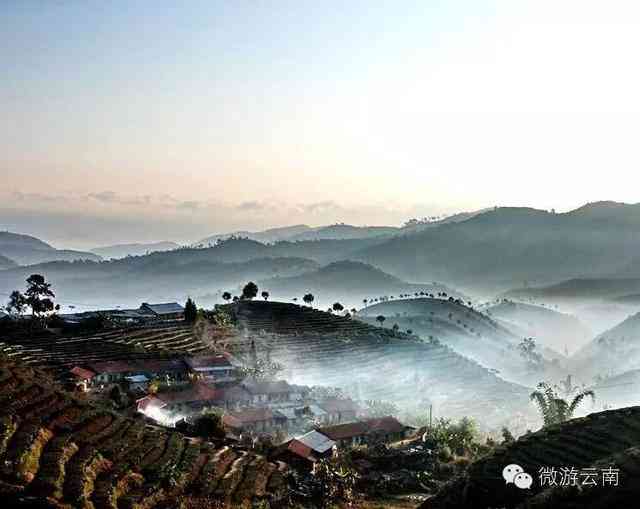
(318,348)
(549,327)
(602,439)
(61,450)
(464,329)
(62,353)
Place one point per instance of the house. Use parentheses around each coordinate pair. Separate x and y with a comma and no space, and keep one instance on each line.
(213,368)
(303,452)
(233,397)
(384,429)
(164,311)
(253,420)
(263,393)
(82,377)
(194,398)
(117,371)
(338,410)
(112,371)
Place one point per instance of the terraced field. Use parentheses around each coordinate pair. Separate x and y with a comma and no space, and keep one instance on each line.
(599,440)
(62,353)
(56,448)
(318,348)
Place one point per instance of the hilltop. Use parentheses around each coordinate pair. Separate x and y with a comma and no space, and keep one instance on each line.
(346,281)
(600,439)
(503,247)
(614,351)
(316,347)
(551,328)
(461,327)
(6,263)
(27,250)
(55,446)
(137,249)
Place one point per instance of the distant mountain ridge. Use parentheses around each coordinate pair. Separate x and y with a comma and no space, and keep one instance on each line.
(6,263)
(506,246)
(135,249)
(28,250)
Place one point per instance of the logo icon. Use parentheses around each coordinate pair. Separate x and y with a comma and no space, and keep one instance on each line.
(515,474)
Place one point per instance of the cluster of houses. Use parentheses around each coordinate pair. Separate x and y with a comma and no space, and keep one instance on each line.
(323,442)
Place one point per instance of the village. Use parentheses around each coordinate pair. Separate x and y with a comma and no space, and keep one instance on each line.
(304,424)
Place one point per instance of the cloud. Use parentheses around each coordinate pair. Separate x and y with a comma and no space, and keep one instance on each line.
(106,197)
(253,206)
(188,205)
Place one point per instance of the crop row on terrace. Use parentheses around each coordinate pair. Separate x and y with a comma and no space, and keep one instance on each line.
(71,453)
(60,353)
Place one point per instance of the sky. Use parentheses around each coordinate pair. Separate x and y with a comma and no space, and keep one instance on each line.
(140,121)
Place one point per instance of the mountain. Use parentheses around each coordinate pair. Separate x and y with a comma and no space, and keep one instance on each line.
(122,250)
(551,328)
(6,263)
(27,250)
(614,351)
(582,289)
(344,231)
(163,276)
(346,281)
(265,237)
(598,440)
(504,247)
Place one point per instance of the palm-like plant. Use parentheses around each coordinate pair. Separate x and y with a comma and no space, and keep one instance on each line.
(555,409)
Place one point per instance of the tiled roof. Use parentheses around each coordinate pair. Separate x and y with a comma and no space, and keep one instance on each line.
(338,405)
(85,374)
(369,427)
(316,441)
(197,392)
(279,387)
(252,415)
(344,431)
(206,361)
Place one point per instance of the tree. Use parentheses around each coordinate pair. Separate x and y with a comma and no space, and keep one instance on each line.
(249,291)
(529,353)
(265,295)
(308,298)
(226,296)
(337,307)
(190,311)
(39,297)
(395,327)
(364,301)
(210,425)
(555,409)
(17,304)
(381,319)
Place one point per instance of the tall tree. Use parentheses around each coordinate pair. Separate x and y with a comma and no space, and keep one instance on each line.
(265,295)
(553,408)
(381,319)
(308,298)
(190,311)
(226,296)
(39,297)
(337,307)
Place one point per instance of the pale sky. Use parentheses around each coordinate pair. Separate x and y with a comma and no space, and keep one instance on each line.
(142,120)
